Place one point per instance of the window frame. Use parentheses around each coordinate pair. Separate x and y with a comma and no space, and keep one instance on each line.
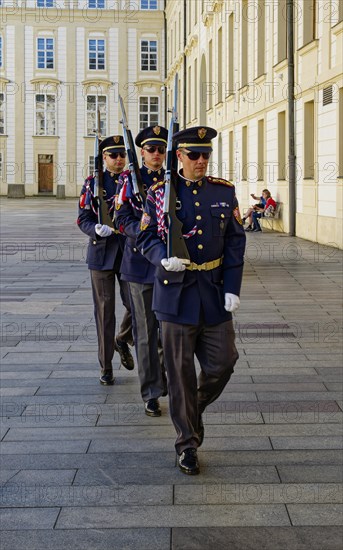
(149,122)
(149,8)
(149,54)
(97,40)
(96,6)
(45,134)
(3,110)
(103,127)
(45,51)
(43,4)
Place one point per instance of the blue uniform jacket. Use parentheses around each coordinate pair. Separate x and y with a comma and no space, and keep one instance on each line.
(103,253)
(212,228)
(134,267)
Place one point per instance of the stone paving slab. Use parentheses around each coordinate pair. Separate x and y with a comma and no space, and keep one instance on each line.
(316,514)
(253,538)
(28,518)
(107,539)
(172,516)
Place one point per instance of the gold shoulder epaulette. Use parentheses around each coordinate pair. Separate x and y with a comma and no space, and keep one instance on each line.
(157,185)
(220,181)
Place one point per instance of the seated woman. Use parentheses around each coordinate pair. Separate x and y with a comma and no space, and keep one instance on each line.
(249,212)
(259,212)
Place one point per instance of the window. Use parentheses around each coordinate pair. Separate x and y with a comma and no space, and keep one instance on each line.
(220,64)
(260,151)
(309,21)
(261,46)
(309,140)
(211,84)
(282,31)
(340,136)
(96,4)
(148,55)
(45,53)
(231,157)
(95,102)
(96,54)
(148,111)
(282,145)
(244,153)
(91,165)
(2,113)
(244,45)
(148,4)
(0,51)
(45,3)
(231,56)
(45,115)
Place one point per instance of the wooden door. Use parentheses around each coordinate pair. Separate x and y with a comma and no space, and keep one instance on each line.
(45,174)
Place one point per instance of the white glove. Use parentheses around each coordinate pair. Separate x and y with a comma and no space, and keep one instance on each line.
(173,264)
(232,302)
(103,230)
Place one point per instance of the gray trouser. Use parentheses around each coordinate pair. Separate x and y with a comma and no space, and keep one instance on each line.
(214,346)
(146,336)
(103,288)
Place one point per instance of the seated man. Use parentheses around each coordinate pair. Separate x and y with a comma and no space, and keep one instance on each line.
(268,208)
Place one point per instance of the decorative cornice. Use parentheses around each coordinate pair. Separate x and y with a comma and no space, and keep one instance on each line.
(45,80)
(192,42)
(141,83)
(96,82)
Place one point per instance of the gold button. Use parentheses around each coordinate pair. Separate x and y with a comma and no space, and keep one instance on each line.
(198,217)
(154,179)
(200,231)
(197,203)
(195,192)
(222,215)
(200,246)
(165,282)
(94,242)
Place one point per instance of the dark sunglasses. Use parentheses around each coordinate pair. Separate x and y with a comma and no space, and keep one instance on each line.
(116,155)
(152,149)
(195,155)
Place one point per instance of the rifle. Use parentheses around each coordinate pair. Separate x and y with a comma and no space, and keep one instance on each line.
(103,215)
(131,154)
(176,245)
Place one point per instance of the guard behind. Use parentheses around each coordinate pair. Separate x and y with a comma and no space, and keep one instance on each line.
(139,272)
(104,255)
(194,303)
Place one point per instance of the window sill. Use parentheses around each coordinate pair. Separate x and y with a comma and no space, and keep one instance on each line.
(338,28)
(306,48)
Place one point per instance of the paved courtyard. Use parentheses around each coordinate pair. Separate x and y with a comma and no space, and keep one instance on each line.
(82,467)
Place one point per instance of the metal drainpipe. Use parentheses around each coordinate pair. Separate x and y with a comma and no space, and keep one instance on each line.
(291,121)
(184,64)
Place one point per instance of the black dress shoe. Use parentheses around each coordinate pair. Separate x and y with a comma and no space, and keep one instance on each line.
(188,462)
(107,379)
(201,430)
(126,358)
(152,407)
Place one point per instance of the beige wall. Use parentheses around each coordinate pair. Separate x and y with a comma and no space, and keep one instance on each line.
(318,64)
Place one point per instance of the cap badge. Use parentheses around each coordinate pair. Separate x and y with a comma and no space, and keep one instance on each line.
(202,133)
(116,139)
(156,130)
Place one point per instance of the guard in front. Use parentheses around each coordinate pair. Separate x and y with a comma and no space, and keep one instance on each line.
(194,303)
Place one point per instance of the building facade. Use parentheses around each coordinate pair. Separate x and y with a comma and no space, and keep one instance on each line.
(60,61)
(231,58)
